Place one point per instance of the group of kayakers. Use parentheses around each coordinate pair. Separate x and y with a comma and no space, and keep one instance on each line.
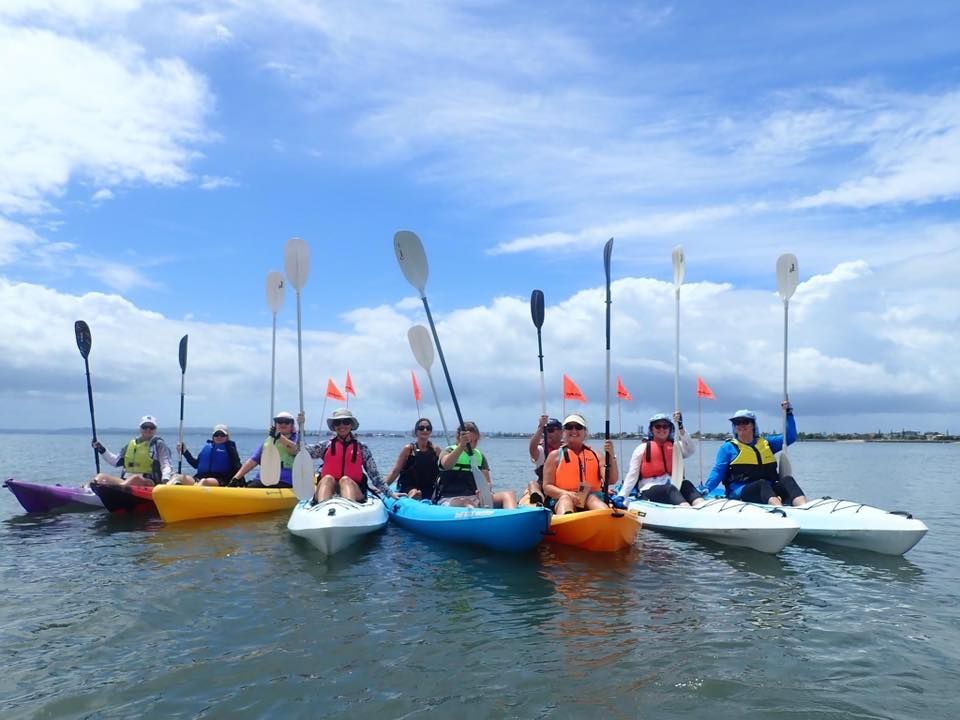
(569,474)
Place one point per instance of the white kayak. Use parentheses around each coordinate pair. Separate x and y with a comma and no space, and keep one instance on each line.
(728,522)
(854,525)
(334,524)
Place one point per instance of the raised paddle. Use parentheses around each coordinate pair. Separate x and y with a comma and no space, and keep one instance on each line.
(183,376)
(297,264)
(269,455)
(787,278)
(679,267)
(84,341)
(422,347)
(413,265)
(607,252)
(536,312)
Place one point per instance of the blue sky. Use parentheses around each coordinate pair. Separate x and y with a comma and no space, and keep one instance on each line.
(157,156)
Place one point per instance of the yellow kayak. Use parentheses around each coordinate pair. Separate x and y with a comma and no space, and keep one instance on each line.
(191,502)
(598,530)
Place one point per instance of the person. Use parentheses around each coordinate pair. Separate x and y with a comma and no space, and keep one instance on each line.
(145,460)
(348,466)
(573,474)
(651,465)
(747,465)
(553,429)
(217,462)
(283,434)
(457,486)
(417,466)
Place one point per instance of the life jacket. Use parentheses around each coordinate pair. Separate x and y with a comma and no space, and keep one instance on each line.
(753,462)
(576,469)
(286,458)
(458,480)
(138,458)
(420,471)
(348,462)
(214,460)
(659,464)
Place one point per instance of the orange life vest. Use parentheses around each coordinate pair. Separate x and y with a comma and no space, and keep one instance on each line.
(657,464)
(574,469)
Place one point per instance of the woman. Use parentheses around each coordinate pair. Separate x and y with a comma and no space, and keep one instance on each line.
(283,434)
(417,466)
(549,433)
(348,465)
(145,460)
(457,485)
(217,462)
(573,474)
(652,465)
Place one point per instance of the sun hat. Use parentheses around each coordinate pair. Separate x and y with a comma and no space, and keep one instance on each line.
(148,419)
(744,415)
(575,418)
(221,428)
(342,414)
(659,417)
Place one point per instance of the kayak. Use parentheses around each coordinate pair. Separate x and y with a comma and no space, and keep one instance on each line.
(728,522)
(333,524)
(43,498)
(192,502)
(516,530)
(854,525)
(125,498)
(606,530)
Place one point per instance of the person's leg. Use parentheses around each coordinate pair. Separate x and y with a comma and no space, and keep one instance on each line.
(104,479)
(760,491)
(789,491)
(350,490)
(666,494)
(138,480)
(181,479)
(505,499)
(564,505)
(535,493)
(594,501)
(691,494)
(209,482)
(325,488)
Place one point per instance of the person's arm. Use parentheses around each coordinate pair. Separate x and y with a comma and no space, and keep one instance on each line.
(165,459)
(720,467)
(633,472)
(188,456)
(372,471)
(687,446)
(449,458)
(108,457)
(234,457)
(319,450)
(614,470)
(776,440)
(536,440)
(398,466)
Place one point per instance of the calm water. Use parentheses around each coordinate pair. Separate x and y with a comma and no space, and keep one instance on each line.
(114,618)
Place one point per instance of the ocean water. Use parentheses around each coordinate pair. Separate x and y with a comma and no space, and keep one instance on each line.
(105,617)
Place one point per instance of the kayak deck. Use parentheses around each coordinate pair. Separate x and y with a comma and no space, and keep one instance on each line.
(606,530)
(37,497)
(123,499)
(177,503)
(334,524)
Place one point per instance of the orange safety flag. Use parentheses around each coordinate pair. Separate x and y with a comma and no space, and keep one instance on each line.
(333,392)
(622,392)
(416,387)
(703,391)
(571,391)
(348,385)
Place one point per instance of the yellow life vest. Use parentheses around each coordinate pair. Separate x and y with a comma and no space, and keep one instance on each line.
(137,457)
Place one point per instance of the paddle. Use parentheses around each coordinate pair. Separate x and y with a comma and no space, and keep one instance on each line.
(269,455)
(536,312)
(413,265)
(787,279)
(422,347)
(84,341)
(297,264)
(679,267)
(183,376)
(607,252)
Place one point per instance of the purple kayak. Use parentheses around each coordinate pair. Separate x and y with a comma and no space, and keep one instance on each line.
(43,498)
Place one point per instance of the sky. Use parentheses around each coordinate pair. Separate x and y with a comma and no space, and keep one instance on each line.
(157,156)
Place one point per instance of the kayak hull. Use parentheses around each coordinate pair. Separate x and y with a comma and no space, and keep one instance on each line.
(124,499)
(177,503)
(727,522)
(853,525)
(516,530)
(38,498)
(606,530)
(334,524)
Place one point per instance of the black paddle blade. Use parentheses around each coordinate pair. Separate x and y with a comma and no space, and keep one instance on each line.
(183,353)
(607,252)
(536,308)
(84,341)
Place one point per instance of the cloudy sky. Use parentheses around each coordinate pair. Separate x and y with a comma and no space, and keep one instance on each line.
(156,156)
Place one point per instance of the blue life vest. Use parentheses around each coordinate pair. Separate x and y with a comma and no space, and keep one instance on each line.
(214,459)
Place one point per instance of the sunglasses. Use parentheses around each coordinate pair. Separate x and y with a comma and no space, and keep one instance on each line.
(148,427)
(219,434)
(283,421)
(553,428)
(661,426)
(337,423)
(424,428)
(743,422)
(573,426)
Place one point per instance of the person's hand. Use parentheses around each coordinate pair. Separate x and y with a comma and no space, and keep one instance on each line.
(543,422)
(619,502)
(273,432)
(180,448)
(301,419)
(236,482)
(608,447)
(98,446)
(787,407)
(678,419)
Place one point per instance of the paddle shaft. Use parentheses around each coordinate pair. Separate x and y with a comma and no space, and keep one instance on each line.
(607,251)
(436,399)
(273,366)
(786,304)
(93,422)
(183,377)
(443,364)
(299,368)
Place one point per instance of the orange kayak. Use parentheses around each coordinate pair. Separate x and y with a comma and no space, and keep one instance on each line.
(598,530)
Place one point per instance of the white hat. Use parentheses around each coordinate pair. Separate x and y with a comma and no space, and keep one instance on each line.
(221,428)
(342,414)
(575,418)
(284,416)
(148,419)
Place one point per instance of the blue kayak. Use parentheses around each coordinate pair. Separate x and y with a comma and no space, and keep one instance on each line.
(508,530)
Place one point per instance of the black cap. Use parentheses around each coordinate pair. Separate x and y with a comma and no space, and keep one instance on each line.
(553,422)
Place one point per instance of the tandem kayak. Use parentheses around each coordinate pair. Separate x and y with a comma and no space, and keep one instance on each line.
(192,502)
(333,524)
(516,530)
(606,530)
(728,522)
(43,498)
(125,498)
(854,525)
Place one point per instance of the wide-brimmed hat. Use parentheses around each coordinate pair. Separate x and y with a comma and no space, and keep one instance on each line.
(342,414)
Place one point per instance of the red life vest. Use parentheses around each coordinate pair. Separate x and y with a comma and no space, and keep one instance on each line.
(576,468)
(346,462)
(657,464)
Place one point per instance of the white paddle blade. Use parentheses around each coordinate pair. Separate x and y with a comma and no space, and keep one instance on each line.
(787,275)
(303,475)
(486,494)
(677,477)
(275,290)
(269,465)
(785,468)
(296,261)
(421,343)
(412,259)
(679,266)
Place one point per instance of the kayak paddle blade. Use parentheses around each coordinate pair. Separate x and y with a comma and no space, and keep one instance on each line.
(677,477)
(536,308)
(84,341)
(296,261)
(269,465)
(303,475)
(412,259)
(422,345)
(275,290)
(787,275)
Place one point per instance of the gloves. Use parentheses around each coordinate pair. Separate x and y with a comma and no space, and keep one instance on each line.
(620,502)
(680,421)
(273,432)
(237,482)
(98,446)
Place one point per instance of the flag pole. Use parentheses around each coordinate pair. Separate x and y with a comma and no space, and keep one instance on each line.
(700,434)
(619,427)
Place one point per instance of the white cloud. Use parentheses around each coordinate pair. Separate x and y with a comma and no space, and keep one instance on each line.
(212,182)
(102,194)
